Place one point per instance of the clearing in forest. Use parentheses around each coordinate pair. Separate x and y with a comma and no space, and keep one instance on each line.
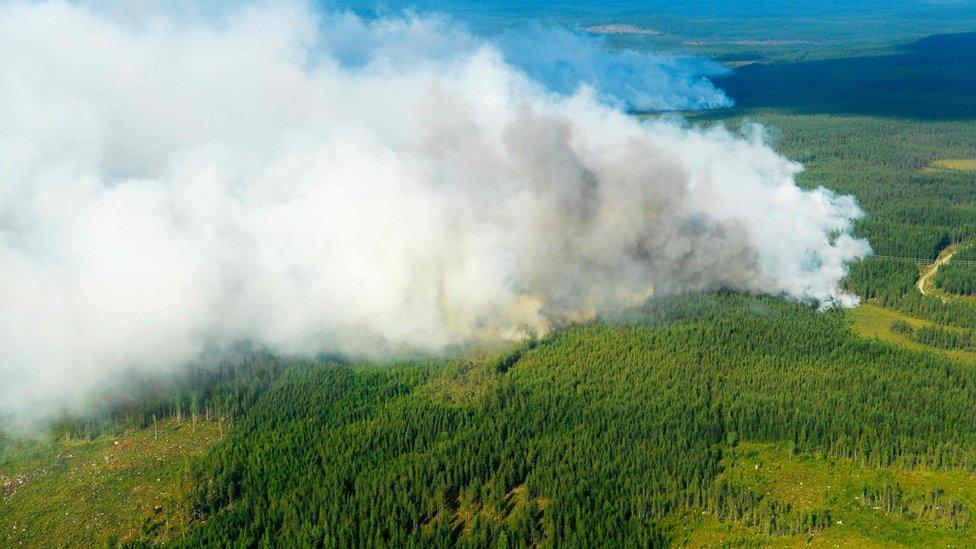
(872,321)
(865,505)
(97,492)
(961,164)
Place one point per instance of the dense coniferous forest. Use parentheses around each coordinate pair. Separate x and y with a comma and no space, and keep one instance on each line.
(205,392)
(899,85)
(527,451)
(959,275)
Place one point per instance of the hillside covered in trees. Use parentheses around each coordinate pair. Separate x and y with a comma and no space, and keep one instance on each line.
(597,436)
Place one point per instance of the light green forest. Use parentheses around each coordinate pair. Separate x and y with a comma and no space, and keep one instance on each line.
(697,420)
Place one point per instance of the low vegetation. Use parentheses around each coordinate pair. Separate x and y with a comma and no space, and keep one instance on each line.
(964,164)
(865,506)
(111,489)
(871,321)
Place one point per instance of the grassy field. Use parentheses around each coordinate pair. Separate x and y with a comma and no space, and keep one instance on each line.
(869,506)
(110,489)
(963,164)
(871,321)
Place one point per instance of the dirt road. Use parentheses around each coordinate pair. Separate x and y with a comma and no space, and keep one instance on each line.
(944,257)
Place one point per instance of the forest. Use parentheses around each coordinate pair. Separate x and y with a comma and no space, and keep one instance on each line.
(959,275)
(525,447)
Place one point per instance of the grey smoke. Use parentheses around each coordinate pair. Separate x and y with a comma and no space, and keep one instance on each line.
(189,182)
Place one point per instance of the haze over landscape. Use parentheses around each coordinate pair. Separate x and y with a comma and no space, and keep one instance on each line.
(290,273)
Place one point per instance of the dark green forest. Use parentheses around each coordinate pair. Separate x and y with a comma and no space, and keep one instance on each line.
(899,85)
(959,275)
(592,436)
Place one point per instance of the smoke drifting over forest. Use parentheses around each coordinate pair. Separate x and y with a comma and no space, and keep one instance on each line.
(175,183)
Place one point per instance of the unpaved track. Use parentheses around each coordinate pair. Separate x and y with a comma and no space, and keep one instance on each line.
(932,269)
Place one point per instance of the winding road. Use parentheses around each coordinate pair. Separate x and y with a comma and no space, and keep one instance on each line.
(944,257)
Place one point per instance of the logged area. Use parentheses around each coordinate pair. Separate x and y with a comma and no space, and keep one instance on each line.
(107,490)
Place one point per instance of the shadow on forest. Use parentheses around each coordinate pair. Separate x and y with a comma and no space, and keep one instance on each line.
(932,79)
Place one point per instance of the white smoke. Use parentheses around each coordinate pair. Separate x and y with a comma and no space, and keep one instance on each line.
(179,183)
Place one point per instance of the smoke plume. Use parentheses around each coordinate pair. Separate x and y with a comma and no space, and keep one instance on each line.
(563,61)
(177,182)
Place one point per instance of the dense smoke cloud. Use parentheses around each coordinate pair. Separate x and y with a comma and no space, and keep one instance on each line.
(183,183)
